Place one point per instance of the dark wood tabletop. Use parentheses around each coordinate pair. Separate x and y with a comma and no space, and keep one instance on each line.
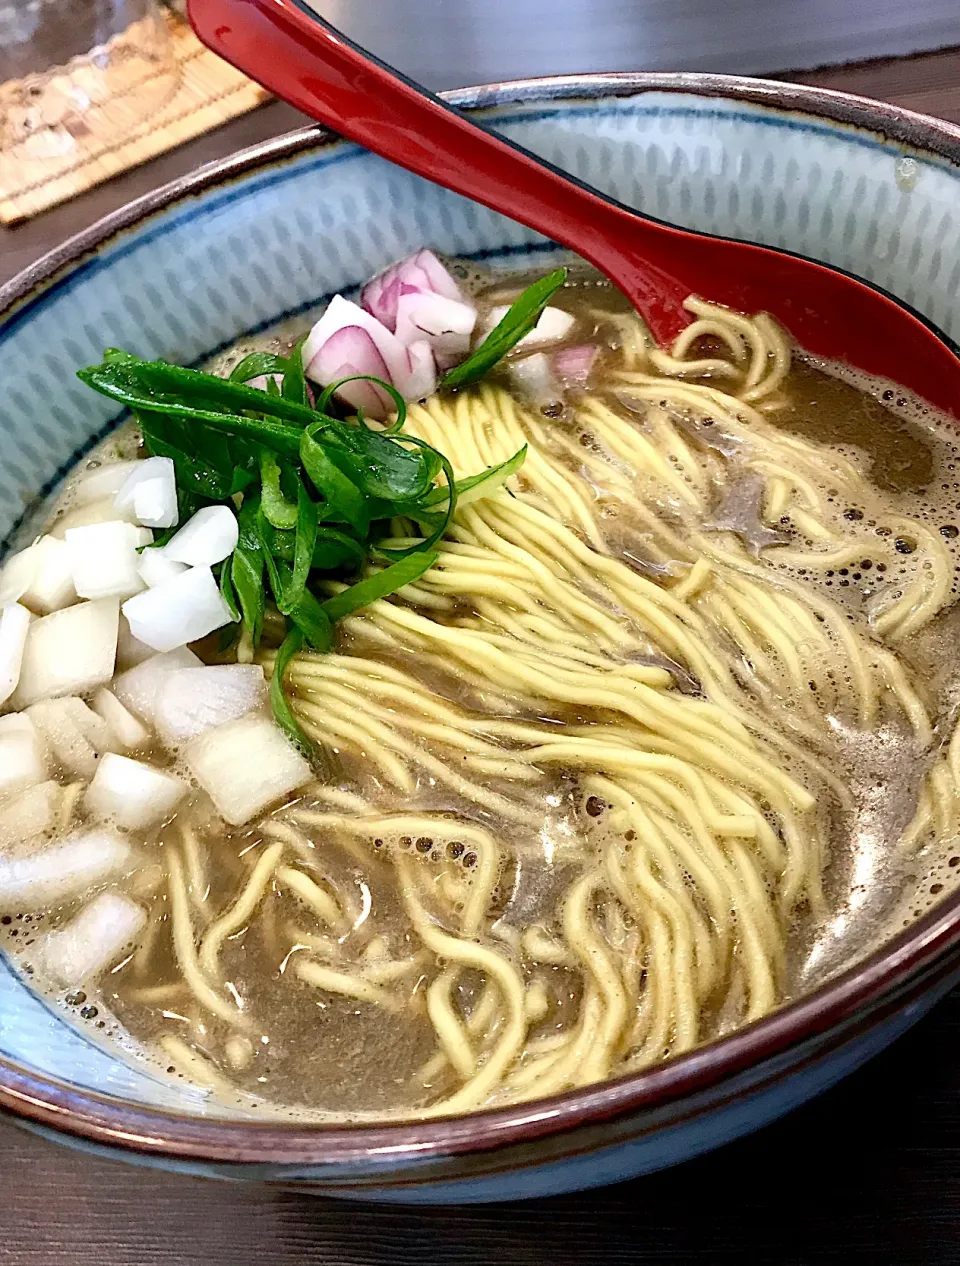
(869,1172)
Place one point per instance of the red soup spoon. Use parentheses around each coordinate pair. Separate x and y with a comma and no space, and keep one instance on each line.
(308,63)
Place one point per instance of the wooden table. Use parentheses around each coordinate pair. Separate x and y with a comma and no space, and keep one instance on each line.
(870,1172)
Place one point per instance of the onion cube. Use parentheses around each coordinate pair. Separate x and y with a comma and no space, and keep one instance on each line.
(28,813)
(245,766)
(23,754)
(102,511)
(69,652)
(14,624)
(552,325)
(179,611)
(93,940)
(150,491)
(39,577)
(534,379)
(156,567)
(206,538)
(128,732)
(62,871)
(101,482)
(104,559)
(155,504)
(130,650)
(75,735)
(193,700)
(137,688)
(132,794)
(16,574)
(445,323)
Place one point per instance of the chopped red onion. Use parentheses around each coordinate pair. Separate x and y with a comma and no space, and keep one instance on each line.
(352,351)
(379,297)
(445,324)
(418,300)
(533,378)
(348,340)
(422,381)
(420,273)
(573,365)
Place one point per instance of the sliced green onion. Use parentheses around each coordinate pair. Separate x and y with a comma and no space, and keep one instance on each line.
(520,318)
(257,365)
(380,585)
(330,391)
(278,511)
(292,643)
(306,540)
(332,484)
(226,591)
(476,487)
(294,380)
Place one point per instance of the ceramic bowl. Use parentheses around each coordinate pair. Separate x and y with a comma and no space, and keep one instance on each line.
(268,234)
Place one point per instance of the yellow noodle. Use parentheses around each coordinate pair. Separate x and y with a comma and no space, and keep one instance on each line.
(185,948)
(241,912)
(451,1031)
(311,894)
(345,983)
(595,631)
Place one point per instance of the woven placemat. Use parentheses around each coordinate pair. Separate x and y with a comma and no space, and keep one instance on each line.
(208,93)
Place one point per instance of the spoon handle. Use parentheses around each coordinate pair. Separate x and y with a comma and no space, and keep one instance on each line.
(314,67)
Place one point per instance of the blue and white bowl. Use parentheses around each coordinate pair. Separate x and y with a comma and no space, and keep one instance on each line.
(269,234)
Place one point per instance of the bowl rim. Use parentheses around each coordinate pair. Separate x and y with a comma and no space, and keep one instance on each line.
(902,967)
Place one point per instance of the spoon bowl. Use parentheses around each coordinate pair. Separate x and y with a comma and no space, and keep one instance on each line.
(832,314)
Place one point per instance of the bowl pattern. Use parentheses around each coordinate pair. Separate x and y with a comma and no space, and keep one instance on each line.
(236,250)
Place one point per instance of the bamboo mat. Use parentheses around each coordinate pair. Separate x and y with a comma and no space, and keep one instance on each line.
(206,93)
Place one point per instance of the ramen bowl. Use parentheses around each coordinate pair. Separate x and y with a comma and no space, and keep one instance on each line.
(266,236)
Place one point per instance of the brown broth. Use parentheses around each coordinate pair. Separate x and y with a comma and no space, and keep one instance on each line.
(315,1053)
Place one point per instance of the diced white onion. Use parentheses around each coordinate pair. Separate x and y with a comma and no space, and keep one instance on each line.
(23,754)
(552,325)
(130,650)
(14,625)
(193,700)
(156,567)
(137,689)
(206,538)
(104,559)
(155,504)
(129,733)
(63,871)
(17,573)
(70,652)
(74,733)
(179,611)
(28,813)
(245,766)
(150,492)
(101,482)
(39,577)
(92,940)
(132,794)
(103,511)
